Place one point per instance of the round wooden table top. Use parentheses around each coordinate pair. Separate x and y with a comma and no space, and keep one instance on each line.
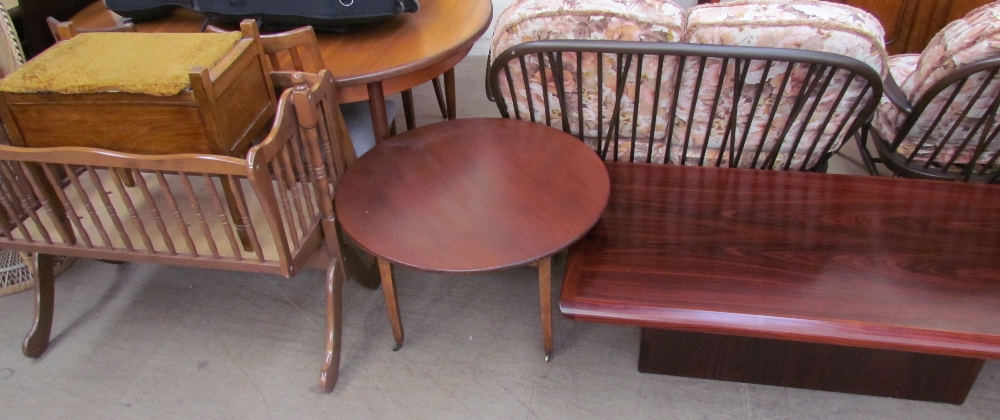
(439,34)
(473,195)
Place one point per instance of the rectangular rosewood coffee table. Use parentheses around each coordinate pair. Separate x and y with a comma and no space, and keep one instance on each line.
(866,285)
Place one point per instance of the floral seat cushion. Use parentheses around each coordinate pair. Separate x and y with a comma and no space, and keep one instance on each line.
(625,20)
(970,39)
(798,24)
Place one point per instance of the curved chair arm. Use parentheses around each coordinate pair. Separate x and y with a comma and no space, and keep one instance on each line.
(896,95)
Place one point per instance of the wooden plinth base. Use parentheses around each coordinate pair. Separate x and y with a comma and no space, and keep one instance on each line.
(854,370)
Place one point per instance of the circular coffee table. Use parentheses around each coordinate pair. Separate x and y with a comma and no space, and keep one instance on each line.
(472,195)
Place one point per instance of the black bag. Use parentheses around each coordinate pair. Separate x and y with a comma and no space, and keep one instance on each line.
(321,14)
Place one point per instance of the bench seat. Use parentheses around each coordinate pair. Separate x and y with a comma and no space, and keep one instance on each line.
(856,262)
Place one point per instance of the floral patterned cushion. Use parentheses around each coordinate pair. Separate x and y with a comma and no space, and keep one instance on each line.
(967,40)
(887,116)
(797,24)
(626,20)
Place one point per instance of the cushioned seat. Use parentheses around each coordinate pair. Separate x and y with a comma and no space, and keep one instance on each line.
(152,64)
(623,20)
(675,103)
(799,24)
(954,128)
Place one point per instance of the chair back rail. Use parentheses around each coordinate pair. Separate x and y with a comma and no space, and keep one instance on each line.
(76,201)
(286,50)
(952,130)
(689,104)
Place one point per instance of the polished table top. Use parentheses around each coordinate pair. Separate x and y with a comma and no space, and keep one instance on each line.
(439,34)
(472,195)
(865,261)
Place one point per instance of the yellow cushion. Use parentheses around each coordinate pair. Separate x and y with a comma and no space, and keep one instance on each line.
(153,64)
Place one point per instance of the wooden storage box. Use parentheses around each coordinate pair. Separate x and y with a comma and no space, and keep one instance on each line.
(223,109)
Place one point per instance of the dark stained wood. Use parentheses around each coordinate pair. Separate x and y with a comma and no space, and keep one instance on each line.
(472,195)
(408,111)
(440,97)
(879,263)
(37,340)
(449,88)
(883,373)
(862,261)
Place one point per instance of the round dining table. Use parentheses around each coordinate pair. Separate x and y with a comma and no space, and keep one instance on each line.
(368,61)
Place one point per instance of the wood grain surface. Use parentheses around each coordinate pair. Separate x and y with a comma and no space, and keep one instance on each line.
(472,195)
(402,52)
(861,261)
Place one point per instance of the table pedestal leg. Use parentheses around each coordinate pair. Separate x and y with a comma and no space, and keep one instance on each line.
(389,288)
(449,92)
(376,103)
(545,298)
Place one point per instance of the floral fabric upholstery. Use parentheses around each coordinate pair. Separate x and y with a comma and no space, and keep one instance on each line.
(797,24)
(968,40)
(888,116)
(626,20)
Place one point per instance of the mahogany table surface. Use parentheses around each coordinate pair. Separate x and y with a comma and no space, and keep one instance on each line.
(870,262)
(472,195)
(434,39)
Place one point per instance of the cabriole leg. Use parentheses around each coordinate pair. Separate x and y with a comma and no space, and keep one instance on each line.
(335,277)
(38,337)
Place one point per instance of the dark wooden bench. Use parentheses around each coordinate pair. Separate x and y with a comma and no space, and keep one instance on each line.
(866,285)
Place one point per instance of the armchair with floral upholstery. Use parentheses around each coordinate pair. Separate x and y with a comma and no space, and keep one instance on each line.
(938,118)
(719,85)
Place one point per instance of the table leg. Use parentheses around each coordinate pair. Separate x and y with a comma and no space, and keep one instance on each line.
(376,103)
(389,288)
(440,97)
(411,119)
(545,298)
(449,92)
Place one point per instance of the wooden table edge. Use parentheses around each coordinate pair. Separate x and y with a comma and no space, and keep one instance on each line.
(836,332)
(461,49)
(844,333)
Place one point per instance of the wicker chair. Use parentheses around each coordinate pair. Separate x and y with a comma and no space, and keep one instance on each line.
(755,100)
(938,118)
(74,201)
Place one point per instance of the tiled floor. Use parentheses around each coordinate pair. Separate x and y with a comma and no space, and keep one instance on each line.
(146,341)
